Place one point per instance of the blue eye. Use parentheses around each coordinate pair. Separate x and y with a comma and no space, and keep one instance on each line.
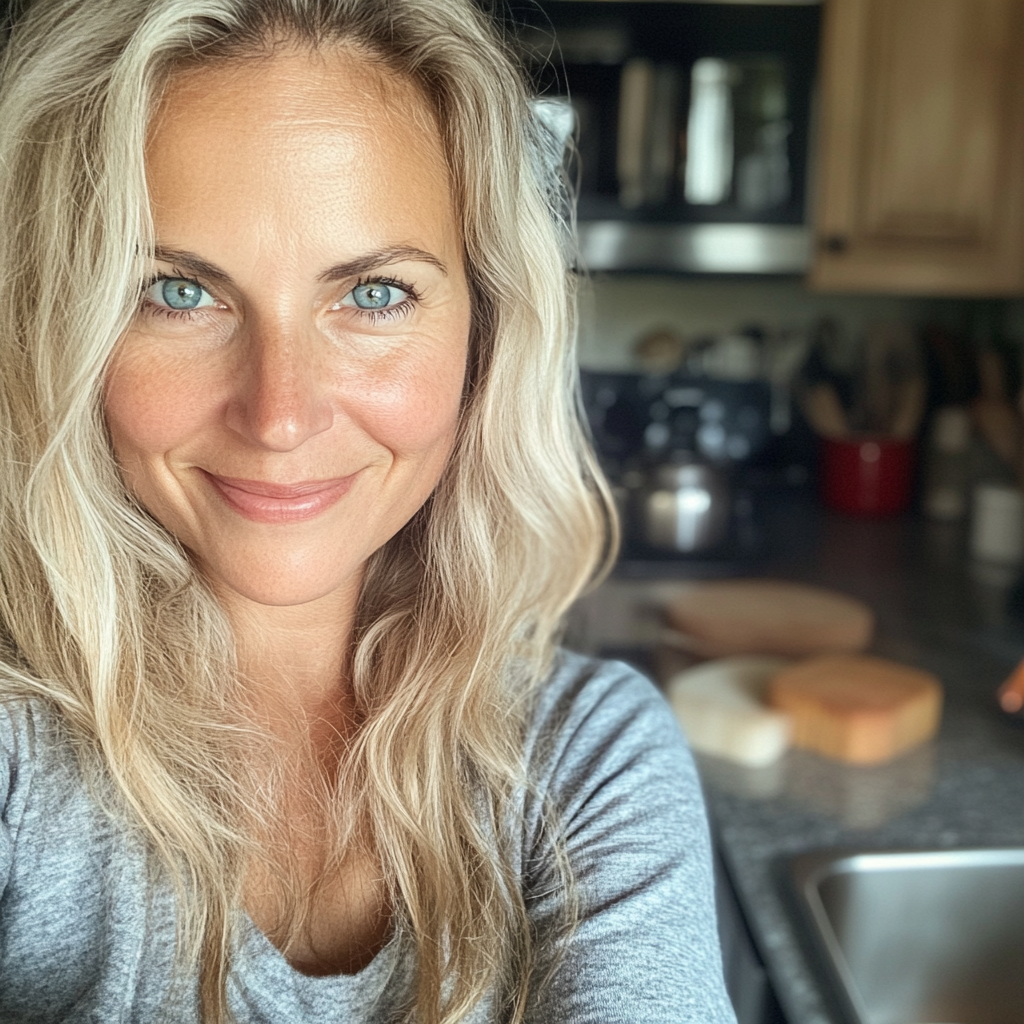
(374,295)
(178,293)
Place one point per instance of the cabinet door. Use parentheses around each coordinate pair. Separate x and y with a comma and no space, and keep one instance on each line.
(921,159)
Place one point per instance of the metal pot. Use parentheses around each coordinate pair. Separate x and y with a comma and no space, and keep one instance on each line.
(685,507)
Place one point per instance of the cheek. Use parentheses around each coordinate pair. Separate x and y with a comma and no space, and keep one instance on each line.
(412,408)
(418,415)
(151,406)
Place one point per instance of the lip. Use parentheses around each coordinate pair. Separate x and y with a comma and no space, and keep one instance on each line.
(265,502)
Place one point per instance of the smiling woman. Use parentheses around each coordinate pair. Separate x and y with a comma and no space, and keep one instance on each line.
(300,356)
(294,498)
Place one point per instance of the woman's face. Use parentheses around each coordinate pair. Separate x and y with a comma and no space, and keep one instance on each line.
(288,393)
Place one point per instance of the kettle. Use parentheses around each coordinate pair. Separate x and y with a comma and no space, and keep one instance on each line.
(685,507)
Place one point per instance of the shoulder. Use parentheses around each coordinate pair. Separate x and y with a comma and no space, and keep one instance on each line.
(42,786)
(29,726)
(582,682)
(22,721)
(591,711)
(29,742)
(614,791)
(22,726)
(75,907)
(605,757)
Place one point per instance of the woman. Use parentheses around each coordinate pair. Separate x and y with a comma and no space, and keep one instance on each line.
(294,500)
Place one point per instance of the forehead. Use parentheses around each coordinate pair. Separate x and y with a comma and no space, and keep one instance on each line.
(299,131)
(303,77)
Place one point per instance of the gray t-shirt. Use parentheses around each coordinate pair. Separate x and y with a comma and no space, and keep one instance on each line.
(86,935)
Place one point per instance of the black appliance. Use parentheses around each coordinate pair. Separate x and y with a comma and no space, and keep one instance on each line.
(693,128)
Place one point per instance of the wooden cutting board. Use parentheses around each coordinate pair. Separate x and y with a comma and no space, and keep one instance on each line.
(857,708)
(726,617)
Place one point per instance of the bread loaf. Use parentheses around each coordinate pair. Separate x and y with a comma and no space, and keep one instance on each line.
(857,708)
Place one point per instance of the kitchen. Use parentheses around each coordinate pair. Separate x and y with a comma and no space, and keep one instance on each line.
(801,346)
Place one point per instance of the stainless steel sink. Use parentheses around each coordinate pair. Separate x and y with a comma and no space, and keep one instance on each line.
(913,937)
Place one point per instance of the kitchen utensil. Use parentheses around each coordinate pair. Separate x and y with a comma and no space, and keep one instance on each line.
(825,412)
(886,347)
(994,414)
(1000,426)
(785,353)
(867,475)
(685,507)
(720,706)
(911,396)
(725,617)
(857,708)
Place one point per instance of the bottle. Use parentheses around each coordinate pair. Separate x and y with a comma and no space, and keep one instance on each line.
(997,525)
(947,470)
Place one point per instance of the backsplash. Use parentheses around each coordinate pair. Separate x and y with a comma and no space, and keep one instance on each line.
(617,310)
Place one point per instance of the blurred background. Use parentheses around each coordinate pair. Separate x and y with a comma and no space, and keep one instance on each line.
(801,238)
(800,222)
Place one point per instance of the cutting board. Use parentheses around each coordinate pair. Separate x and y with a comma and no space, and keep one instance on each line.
(857,708)
(720,618)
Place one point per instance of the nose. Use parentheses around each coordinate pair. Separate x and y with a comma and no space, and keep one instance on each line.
(282,399)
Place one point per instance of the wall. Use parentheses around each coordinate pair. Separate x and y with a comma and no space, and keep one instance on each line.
(617,309)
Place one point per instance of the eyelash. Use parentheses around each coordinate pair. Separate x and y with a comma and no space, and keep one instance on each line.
(375,316)
(379,316)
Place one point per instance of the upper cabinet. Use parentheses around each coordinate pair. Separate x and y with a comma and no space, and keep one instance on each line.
(920,175)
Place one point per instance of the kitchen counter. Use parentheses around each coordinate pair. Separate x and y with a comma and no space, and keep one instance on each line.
(935,609)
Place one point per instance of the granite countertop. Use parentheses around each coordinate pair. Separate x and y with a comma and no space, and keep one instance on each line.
(935,609)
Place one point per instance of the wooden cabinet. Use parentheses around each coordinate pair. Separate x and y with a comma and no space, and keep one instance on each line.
(921,158)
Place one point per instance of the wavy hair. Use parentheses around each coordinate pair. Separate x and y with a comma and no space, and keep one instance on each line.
(102,613)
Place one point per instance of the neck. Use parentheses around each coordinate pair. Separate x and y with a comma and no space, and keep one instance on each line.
(295,658)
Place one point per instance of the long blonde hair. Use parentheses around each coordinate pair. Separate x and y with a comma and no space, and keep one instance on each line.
(102,613)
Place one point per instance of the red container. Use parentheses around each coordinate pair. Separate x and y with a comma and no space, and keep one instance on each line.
(867,475)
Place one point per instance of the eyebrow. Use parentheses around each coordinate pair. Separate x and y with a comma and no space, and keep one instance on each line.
(379,258)
(196,265)
(191,263)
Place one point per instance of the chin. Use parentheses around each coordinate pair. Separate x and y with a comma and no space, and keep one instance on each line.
(281,597)
(272,584)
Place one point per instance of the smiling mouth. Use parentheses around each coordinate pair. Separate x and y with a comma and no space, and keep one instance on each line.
(265,502)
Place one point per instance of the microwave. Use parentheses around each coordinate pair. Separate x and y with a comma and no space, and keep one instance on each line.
(693,126)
